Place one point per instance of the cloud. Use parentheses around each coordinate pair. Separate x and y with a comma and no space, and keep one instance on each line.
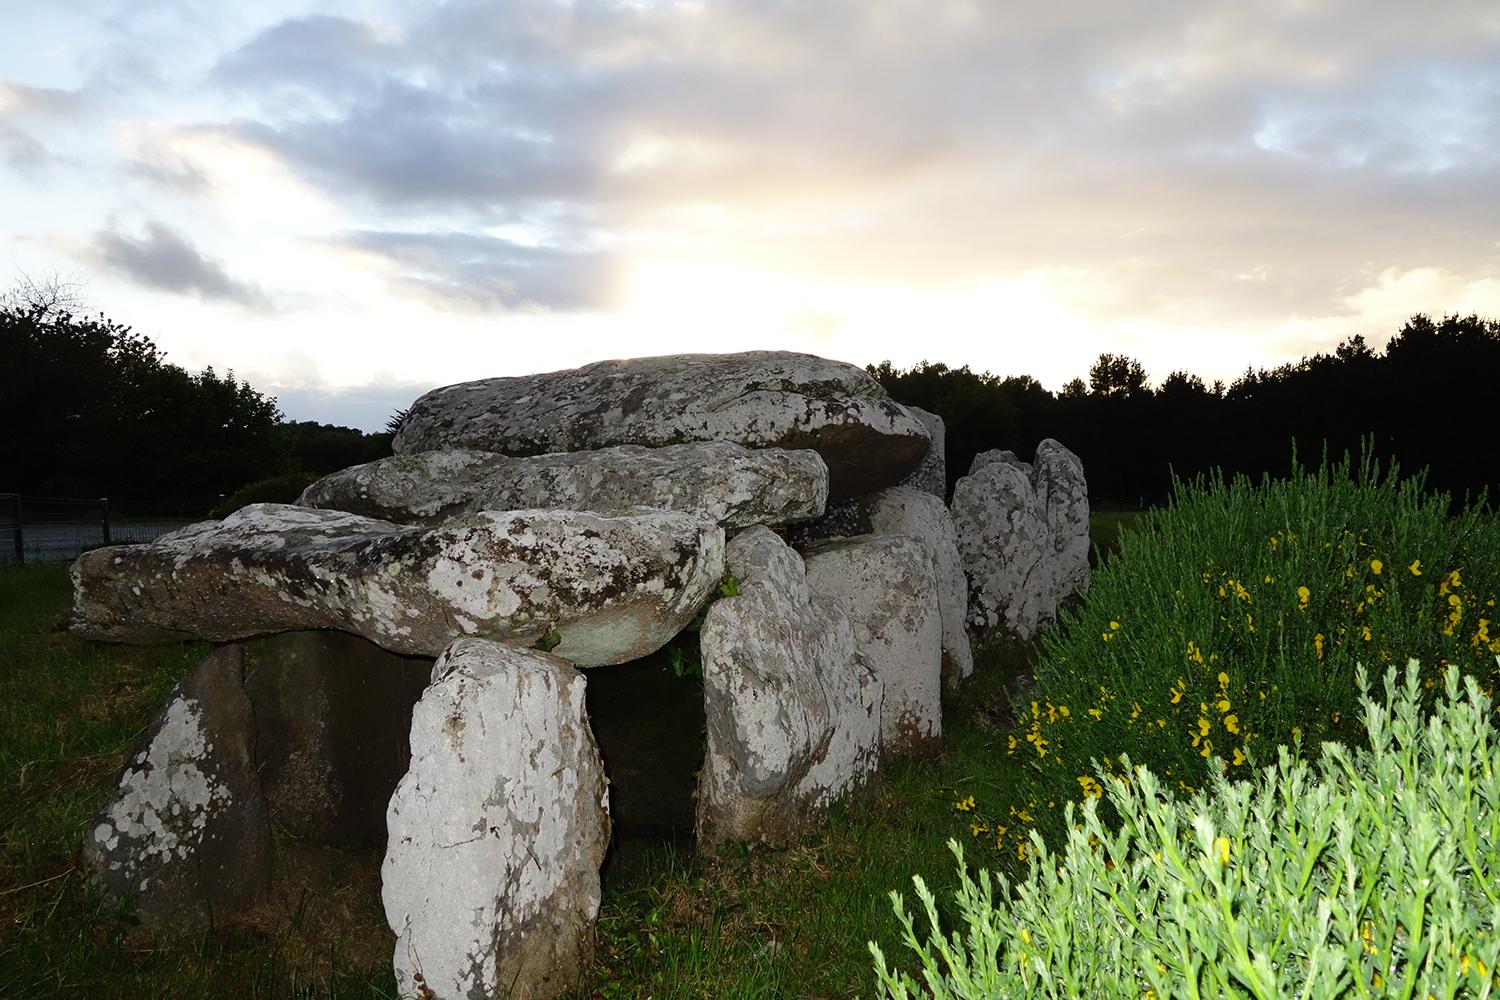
(161,258)
(482,273)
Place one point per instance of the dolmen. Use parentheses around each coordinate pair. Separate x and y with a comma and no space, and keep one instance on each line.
(404,651)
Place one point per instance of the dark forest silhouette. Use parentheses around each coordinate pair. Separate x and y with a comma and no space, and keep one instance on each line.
(1428,401)
(92,408)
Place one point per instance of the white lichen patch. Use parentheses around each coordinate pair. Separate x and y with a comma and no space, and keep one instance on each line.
(167,796)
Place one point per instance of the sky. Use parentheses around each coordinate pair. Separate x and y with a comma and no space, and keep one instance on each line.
(350,202)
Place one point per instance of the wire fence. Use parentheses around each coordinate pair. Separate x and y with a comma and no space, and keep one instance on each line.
(59,529)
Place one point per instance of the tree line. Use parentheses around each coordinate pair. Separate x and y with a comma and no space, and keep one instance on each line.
(92,408)
(1426,401)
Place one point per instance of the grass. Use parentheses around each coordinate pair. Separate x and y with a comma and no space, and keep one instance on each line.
(745,923)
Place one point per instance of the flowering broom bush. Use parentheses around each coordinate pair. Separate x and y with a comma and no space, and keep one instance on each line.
(1232,620)
(1373,875)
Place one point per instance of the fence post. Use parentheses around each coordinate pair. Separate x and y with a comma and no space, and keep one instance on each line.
(104,517)
(16,531)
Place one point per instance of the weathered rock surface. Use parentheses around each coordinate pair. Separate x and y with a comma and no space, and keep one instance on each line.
(332,717)
(932,475)
(1003,455)
(614,589)
(1004,542)
(793,711)
(491,873)
(185,833)
(717,481)
(1063,493)
(761,399)
(887,586)
(906,511)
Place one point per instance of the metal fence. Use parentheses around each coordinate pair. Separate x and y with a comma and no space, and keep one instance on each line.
(59,529)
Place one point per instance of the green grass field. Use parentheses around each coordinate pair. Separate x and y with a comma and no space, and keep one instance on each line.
(747,923)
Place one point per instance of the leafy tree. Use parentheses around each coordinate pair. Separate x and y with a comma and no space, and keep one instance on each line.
(1117,375)
(98,410)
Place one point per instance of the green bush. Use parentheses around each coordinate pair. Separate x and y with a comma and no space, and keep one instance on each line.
(1232,620)
(1373,876)
(285,488)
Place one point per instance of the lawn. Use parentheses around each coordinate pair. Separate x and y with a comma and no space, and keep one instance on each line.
(745,923)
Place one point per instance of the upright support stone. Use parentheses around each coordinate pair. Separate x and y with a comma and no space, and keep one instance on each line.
(887,586)
(185,835)
(491,874)
(793,710)
(333,715)
(906,511)
(1063,493)
(932,475)
(1003,538)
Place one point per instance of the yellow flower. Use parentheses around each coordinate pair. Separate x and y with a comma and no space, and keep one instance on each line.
(1096,713)
(964,805)
(975,829)
(1239,756)
(1365,631)
(1025,935)
(1303,596)
(1415,567)
(1222,705)
(1176,695)
(1062,710)
(1114,626)
(1376,566)
(1091,788)
(1222,844)
(1318,644)
(1232,723)
(1208,748)
(1296,733)
(1223,679)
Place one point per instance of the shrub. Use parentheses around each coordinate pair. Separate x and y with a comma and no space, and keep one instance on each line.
(1232,620)
(285,488)
(1373,876)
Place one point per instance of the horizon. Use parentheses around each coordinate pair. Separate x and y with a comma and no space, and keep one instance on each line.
(353,203)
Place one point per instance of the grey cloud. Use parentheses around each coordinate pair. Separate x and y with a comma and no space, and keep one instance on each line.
(22,150)
(925,142)
(481,273)
(162,258)
(333,56)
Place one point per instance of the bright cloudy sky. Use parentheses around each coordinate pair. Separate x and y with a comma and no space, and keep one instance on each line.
(351,202)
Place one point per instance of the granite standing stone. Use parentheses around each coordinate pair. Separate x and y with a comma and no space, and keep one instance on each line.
(185,835)
(887,586)
(491,874)
(793,711)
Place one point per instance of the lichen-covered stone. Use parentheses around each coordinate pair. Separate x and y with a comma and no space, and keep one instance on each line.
(887,586)
(994,455)
(612,589)
(717,481)
(932,475)
(1004,542)
(922,515)
(793,711)
(332,715)
(761,399)
(496,834)
(185,834)
(1057,477)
